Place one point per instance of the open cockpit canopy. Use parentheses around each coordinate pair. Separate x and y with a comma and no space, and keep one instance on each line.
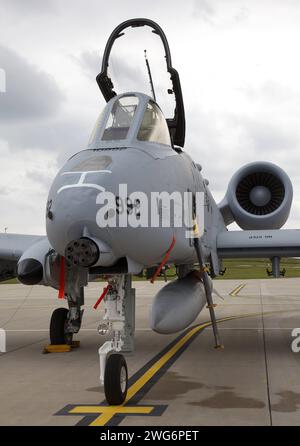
(155,123)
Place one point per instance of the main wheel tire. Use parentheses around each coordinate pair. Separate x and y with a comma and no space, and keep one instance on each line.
(115,379)
(58,335)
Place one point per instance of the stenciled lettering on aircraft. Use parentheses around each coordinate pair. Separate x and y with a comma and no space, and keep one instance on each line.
(259,236)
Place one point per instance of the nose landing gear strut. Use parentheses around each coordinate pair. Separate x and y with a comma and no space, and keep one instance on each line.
(119,319)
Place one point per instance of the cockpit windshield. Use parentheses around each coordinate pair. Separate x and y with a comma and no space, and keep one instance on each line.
(131,116)
(154,127)
(120,118)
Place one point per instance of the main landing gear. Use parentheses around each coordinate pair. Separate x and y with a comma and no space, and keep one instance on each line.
(66,322)
(70,280)
(58,322)
(119,320)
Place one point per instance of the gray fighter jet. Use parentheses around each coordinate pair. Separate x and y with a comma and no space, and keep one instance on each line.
(107,217)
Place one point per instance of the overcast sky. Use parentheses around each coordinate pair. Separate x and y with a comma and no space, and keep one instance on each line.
(240,73)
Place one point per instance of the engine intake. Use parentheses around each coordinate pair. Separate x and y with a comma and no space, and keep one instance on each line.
(259,196)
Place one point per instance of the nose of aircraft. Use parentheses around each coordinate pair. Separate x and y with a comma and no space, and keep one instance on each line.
(93,188)
(72,208)
(71,222)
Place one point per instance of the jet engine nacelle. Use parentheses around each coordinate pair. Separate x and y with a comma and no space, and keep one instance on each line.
(177,305)
(259,196)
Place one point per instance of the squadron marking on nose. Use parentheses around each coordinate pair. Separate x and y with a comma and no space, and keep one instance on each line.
(81,180)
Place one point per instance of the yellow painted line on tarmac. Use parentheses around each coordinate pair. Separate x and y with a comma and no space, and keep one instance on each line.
(237,289)
(106,413)
(167,356)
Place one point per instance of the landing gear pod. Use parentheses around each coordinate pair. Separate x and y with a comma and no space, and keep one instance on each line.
(177,305)
(30,268)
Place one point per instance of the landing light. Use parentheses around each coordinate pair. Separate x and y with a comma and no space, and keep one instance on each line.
(103,328)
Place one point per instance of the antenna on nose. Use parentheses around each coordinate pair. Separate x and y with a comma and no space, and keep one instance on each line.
(149,74)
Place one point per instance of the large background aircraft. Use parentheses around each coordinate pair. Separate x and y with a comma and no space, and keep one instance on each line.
(134,145)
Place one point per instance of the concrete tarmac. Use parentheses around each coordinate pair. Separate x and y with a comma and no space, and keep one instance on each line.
(255,380)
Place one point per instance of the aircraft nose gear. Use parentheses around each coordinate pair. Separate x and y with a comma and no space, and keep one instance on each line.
(119,317)
(115,379)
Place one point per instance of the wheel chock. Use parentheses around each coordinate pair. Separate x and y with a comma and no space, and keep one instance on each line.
(61,348)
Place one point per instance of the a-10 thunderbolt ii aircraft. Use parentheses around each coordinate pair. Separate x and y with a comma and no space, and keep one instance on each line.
(97,223)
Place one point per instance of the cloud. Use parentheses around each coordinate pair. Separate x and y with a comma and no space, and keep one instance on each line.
(269,137)
(30,92)
(23,198)
(128,72)
(223,141)
(203,9)
(124,75)
(62,136)
(31,111)
(28,7)
(272,93)
(90,62)
(239,76)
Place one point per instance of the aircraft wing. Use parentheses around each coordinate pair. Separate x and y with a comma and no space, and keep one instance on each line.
(259,243)
(12,246)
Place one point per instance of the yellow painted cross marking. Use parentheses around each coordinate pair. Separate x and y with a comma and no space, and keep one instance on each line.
(237,289)
(106,413)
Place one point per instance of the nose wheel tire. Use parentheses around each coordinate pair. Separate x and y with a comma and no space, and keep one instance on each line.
(58,322)
(115,379)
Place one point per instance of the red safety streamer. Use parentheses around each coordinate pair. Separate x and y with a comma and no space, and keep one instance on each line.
(101,297)
(61,291)
(164,261)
